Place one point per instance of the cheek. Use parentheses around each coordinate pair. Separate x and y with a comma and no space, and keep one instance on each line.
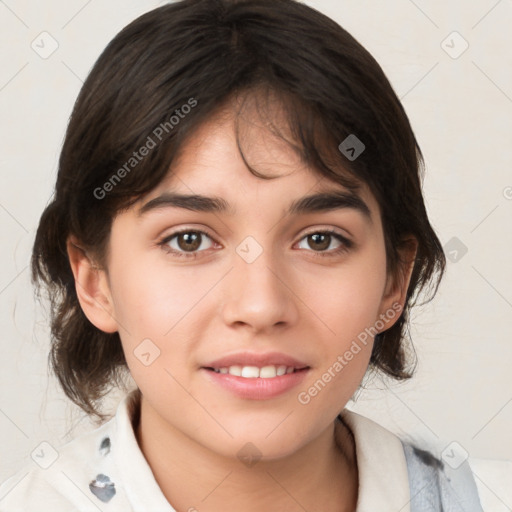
(150,297)
(154,304)
(349,299)
(348,303)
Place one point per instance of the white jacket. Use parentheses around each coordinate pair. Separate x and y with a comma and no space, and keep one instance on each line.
(104,470)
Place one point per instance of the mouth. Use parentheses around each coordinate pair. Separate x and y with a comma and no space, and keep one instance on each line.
(253,376)
(256,372)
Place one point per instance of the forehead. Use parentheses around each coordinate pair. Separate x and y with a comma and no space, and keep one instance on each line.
(211,173)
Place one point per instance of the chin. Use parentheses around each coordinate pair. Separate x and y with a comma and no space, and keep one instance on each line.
(265,442)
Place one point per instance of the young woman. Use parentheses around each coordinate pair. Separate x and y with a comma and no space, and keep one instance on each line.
(238,222)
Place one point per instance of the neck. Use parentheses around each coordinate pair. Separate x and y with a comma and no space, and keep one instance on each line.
(321,475)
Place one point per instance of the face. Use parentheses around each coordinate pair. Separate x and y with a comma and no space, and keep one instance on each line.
(216,301)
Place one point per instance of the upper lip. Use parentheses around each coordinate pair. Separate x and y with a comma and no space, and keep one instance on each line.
(254,359)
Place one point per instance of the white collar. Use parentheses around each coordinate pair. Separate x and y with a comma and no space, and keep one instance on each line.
(381,466)
(139,482)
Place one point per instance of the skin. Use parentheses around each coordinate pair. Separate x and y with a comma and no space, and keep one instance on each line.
(195,310)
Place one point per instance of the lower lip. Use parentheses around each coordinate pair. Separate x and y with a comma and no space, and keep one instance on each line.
(257,388)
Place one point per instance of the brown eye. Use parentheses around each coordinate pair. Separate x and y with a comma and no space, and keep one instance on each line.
(190,241)
(187,242)
(319,241)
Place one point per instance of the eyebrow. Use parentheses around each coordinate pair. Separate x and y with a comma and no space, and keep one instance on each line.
(319,202)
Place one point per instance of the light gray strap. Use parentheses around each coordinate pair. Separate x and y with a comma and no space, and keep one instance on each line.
(436,487)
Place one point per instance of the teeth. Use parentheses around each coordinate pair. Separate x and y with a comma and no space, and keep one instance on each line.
(250,372)
(281,370)
(253,372)
(235,370)
(267,372)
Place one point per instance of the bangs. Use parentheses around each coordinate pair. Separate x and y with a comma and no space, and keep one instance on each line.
(287,118)
(298,124)
(285,115)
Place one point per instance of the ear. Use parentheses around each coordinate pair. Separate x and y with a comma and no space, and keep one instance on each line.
(395,292)
(92,287)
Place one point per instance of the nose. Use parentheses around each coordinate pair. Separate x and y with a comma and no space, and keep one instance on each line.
(259,295)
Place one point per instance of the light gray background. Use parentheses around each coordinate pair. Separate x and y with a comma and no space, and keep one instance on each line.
(461,111)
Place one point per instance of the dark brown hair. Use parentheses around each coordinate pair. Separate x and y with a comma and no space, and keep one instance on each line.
(205,54)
